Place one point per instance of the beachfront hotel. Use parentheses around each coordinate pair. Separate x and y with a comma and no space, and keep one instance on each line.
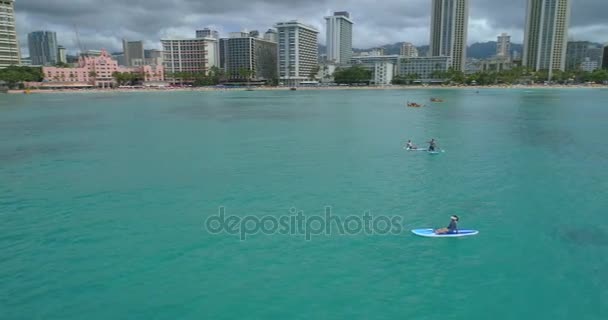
(298,52)
(97,71)
(190,55)
(546,34)
(242,51)
(9,46)
(449,24)
(339,38)
(43,48)
(408,50)
(424,68)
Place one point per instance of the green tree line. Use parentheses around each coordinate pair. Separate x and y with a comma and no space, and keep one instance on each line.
(197,79)
(521,74)
(14,76)
(352,75)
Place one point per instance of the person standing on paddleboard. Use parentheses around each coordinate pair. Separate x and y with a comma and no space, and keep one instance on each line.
(432,145)
(452,227)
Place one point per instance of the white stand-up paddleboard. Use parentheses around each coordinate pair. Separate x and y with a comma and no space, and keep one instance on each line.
(417,149)
(430,233)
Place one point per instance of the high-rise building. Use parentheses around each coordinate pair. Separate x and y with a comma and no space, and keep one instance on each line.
(577,51)
(206,33)
(546,34)
(409,50)
(9,46)
(271,35)
(258,56)
(134,52)
(254,33)
(449,24)
(154,58)
(503,46)
(43,47)
(605,57)
(62,55)
(339,37)
(190,55)
(298,51)
(120,59)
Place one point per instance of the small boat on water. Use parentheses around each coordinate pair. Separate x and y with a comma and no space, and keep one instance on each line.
(436,100)
(413,105)
(293,89)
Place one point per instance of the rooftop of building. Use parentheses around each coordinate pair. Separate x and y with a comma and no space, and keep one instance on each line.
(189,39)
(295,23)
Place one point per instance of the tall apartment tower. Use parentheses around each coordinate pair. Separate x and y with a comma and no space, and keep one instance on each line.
(503,46)
(9,46)
(546,34)
(339,37)
(409,50)
(449,24)
(43,48)
(298,52)
(256,55)
(133,52)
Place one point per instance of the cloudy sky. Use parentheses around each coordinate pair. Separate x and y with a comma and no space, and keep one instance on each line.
(103,23)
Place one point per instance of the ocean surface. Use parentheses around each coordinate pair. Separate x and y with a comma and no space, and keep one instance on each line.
(105,200)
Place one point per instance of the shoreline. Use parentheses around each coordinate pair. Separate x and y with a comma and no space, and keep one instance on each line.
(394,87)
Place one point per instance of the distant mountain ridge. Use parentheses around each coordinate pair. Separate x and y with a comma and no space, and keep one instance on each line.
(478,50)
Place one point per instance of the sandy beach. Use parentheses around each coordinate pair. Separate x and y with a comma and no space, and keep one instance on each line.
(32,91)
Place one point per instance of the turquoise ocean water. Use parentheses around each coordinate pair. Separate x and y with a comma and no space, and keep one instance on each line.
(104,197)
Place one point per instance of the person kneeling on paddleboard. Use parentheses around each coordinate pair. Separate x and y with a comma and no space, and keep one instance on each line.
(410,145)
(432,145)
(452,228)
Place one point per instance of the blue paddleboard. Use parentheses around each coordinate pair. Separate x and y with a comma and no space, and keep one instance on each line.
(430,233)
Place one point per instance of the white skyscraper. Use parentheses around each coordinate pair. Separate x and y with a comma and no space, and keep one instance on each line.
(190,55)
(503,46)
(449,24)
(9,46)
(546,34)
(339,37)
(298,52)
(409,50)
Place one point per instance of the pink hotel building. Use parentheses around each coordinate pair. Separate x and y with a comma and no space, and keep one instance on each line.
(98,71)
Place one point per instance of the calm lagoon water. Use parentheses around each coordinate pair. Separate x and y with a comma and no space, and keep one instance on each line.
(104,197)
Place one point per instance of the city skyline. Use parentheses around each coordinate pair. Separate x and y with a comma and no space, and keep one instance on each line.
(377,24)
